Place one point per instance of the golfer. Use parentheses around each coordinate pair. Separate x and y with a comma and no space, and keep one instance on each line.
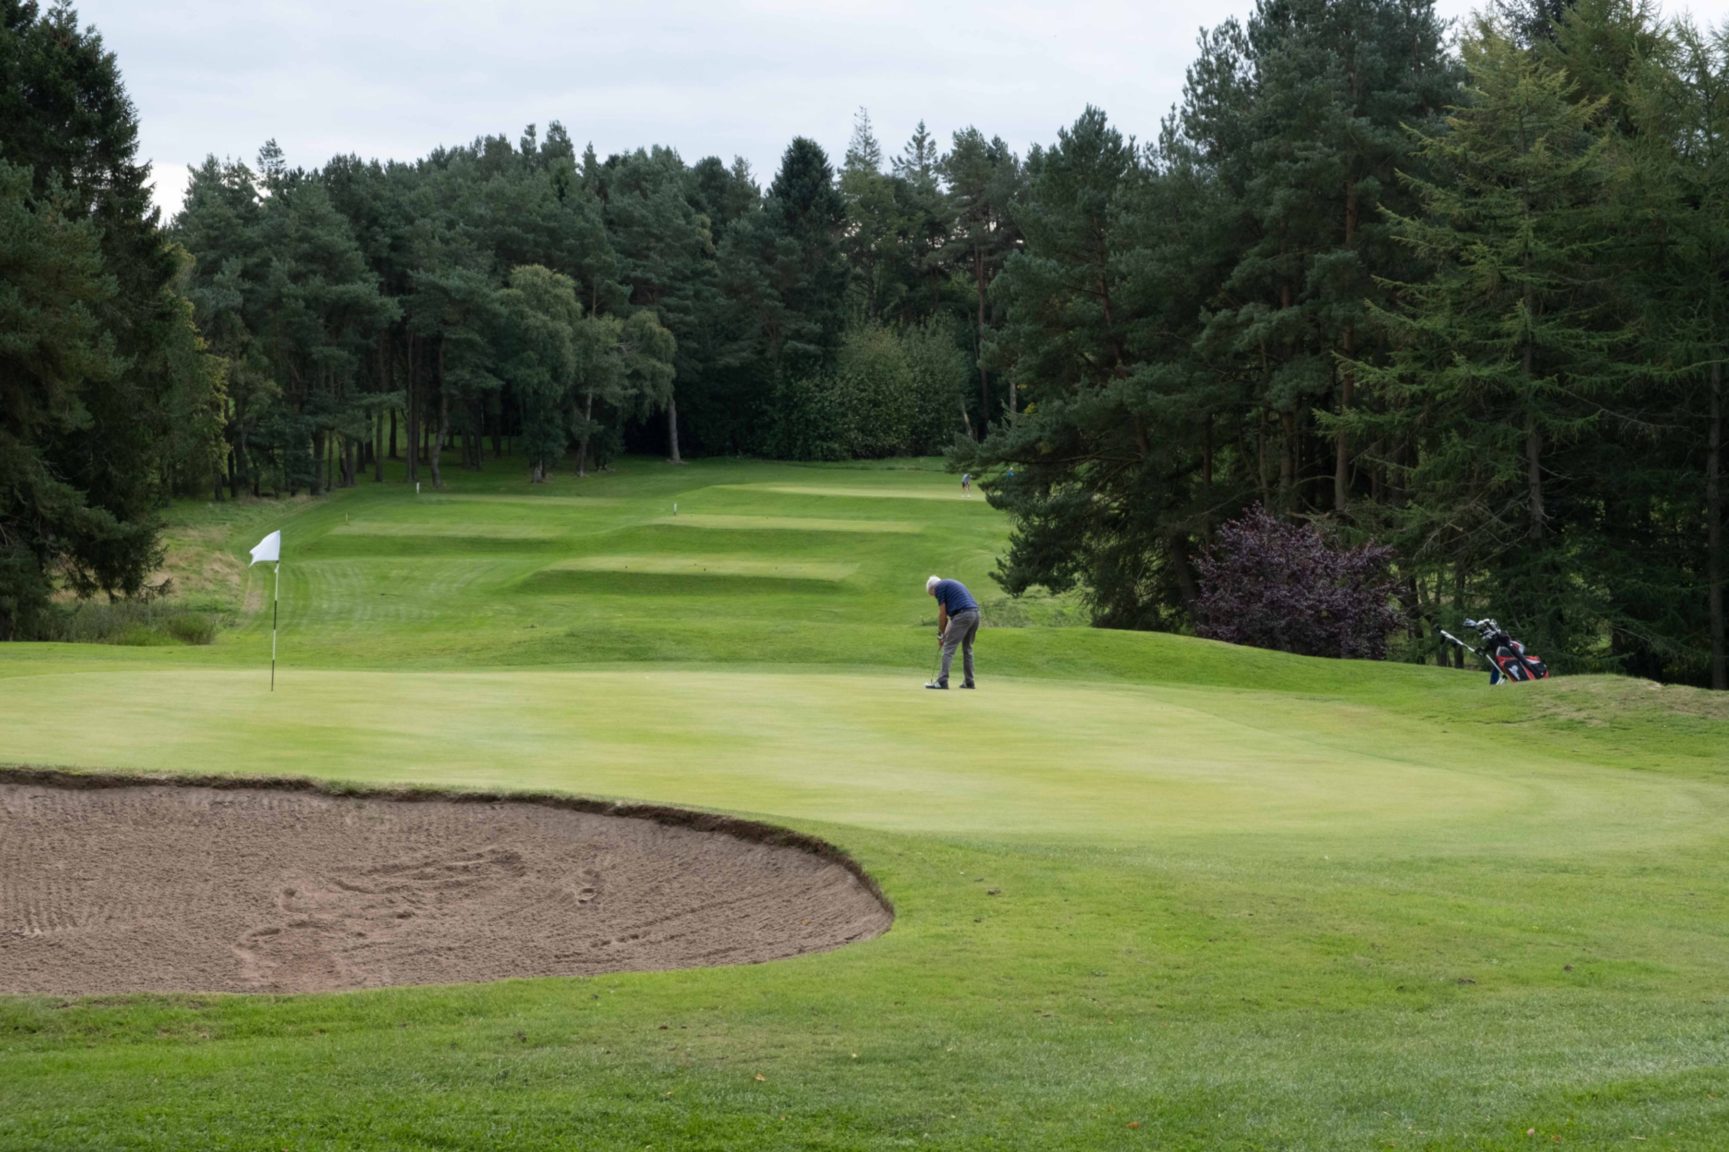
(957,624)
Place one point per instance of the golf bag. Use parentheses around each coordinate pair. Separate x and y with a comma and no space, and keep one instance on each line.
(1505,656)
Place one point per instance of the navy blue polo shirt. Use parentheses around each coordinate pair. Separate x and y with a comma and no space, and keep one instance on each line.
(954,596)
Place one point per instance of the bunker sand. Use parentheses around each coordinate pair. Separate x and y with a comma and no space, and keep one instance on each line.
(111,886)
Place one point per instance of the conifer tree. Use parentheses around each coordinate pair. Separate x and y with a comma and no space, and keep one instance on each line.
(1504,352)
(666,255)
(804,216)
(54,350)
(1668,463)
(984,178)
(70,133)
(874,225)
(925,223)
(1309,111)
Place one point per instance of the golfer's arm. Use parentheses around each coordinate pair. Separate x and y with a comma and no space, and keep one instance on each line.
(942,617)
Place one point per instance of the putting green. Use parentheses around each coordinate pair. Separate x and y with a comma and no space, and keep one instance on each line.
(1024,759)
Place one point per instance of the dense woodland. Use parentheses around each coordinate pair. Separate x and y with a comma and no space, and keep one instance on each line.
(1460,293)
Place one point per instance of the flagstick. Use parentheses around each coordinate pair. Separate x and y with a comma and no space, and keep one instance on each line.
(273,602)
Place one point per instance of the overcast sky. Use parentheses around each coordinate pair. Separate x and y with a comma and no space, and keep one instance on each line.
(395,78)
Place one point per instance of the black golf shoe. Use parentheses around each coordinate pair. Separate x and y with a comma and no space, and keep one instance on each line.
(969,684)
(939,687)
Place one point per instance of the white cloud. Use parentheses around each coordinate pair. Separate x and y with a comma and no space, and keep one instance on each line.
(168,190)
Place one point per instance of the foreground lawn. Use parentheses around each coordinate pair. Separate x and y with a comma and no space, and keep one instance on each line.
(1150,892)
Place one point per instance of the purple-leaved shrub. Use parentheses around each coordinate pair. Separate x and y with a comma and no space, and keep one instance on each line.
(1276,585)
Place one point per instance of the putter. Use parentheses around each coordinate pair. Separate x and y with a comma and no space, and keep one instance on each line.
(936,661)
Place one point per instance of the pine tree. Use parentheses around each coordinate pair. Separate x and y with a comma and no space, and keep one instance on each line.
(320,313)
(1088,454)
(724,193)
(984,178)
(1667,457)
(925,222)
(874,223)
(1309,110)
(52,352)
(219,227)
(666,256)
(920,161)
(1500,354)
(70,128)
(804,215)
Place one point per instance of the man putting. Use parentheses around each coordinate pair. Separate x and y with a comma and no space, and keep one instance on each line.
(957,624)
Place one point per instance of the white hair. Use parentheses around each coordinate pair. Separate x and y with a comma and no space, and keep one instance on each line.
(932,583)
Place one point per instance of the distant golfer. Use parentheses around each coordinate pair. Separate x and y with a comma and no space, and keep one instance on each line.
(957,624)
(966,483)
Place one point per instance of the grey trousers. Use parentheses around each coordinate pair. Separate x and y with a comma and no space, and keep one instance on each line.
(963,626)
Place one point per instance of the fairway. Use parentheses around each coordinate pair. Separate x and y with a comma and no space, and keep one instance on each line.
(1149,891)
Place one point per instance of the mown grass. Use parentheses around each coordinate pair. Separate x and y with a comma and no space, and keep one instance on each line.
(1150,892)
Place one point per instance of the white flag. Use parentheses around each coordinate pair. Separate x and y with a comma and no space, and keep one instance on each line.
(269,550)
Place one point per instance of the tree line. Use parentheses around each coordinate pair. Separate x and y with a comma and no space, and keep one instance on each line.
(1466,303)
(1457,295)
(517,297)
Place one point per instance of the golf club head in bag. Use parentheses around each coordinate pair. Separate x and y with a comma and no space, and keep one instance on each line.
(1507,659)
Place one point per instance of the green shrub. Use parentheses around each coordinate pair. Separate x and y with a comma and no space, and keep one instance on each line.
(892,393)
(876,393)
(941,375)
(192,628)
(132,623)
(810,423)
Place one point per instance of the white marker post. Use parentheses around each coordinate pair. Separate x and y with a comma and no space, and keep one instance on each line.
(269,551)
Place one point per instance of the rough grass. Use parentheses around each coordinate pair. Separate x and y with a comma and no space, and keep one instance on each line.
(1151,892)
(134,623)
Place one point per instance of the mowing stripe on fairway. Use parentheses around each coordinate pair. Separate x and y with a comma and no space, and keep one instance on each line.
(719,566)
(526,501)
(790,524)
(460,530)
(855,493)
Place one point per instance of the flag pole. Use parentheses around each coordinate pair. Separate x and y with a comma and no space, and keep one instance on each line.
(269,551)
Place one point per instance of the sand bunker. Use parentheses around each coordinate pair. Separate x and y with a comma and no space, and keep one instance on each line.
(108,885)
